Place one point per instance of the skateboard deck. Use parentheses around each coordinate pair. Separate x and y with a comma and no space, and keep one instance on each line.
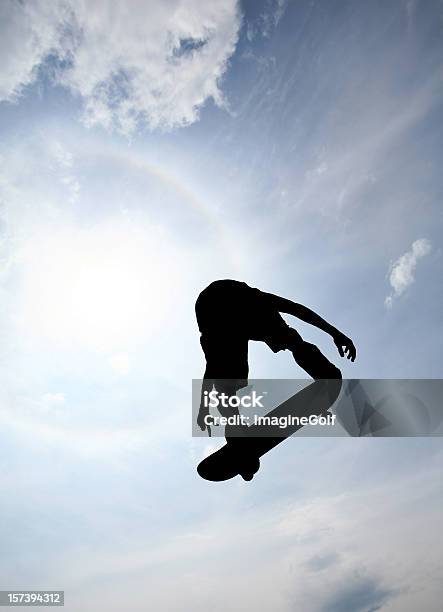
(241,455)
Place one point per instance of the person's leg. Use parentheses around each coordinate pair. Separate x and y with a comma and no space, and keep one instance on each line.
(310,358)
(237,434)
(229,390)
(279,336)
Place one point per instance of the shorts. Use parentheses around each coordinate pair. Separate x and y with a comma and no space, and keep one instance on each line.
(274,331)
(226,348)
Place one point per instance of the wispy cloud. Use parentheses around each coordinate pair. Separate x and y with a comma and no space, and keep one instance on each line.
(155,63)
(267,21)
(402,271)
(28,33)
(355,530)
(65,162)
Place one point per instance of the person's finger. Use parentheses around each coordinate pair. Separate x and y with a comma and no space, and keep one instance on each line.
(354,353)
(340,350)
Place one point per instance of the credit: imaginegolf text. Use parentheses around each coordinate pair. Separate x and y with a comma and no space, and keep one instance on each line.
(282,422)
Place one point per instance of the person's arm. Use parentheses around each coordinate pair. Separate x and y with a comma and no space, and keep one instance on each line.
(207,384)
(342,342)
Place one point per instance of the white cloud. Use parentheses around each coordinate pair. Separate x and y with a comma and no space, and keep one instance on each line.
(133,62)
(28,32)
(402,271)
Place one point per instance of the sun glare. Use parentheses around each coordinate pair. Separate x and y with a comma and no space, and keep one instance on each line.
(106,287)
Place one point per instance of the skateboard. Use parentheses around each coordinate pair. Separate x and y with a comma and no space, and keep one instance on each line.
(240,456)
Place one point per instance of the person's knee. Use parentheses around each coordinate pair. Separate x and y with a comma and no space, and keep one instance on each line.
(330,371)
(295,341)
(308,350)
(336,373)
(312,360)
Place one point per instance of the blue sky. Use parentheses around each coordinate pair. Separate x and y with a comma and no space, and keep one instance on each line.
(144,152)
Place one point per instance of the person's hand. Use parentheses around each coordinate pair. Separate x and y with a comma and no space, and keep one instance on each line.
(203,413)
(345,346)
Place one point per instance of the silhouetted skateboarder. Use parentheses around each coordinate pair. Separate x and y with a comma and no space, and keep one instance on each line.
(230,313)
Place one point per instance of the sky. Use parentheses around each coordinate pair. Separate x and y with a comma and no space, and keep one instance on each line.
(146,149)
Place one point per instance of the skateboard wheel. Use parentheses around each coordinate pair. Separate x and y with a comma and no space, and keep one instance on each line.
(247,476)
